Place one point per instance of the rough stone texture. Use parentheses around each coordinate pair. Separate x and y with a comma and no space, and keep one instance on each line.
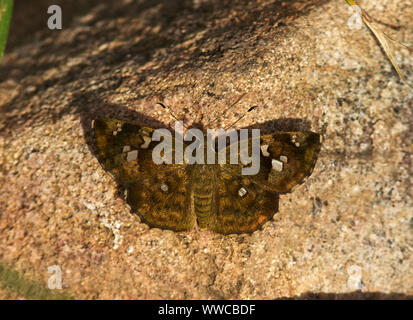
(346,232)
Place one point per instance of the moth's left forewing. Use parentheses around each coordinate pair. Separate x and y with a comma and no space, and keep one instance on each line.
(288,158)
(122,147)
(158,193)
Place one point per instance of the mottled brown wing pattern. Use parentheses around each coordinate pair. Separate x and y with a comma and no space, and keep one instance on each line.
(242,205)
(159,194)
(289,159)
(217,197)
(245,202)
(125,150)
(286,160)
(163,200)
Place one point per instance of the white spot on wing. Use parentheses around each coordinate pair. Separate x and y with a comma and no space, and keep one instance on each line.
(284,159)
(164,187)
(126,149)
(294,140)
(132,155)
(264,150)
(118,128)
(277,165)
(147,140)
(242,192)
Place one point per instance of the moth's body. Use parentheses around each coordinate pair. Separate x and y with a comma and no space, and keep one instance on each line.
(203,178)
(214,196)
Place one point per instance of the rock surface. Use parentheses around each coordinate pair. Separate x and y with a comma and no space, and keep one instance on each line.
(346,232)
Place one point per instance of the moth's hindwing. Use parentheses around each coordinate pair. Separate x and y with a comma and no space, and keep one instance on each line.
(163,200)
(243,206)
(227,203)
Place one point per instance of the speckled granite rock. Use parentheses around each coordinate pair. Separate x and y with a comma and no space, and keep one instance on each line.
(347,232)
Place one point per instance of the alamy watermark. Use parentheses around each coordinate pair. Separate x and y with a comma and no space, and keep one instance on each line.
(55,280)
(239,147)
(355,22)
(55,20)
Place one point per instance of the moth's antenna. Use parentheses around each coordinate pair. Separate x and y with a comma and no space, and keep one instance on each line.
(249,110)
(225,111)
(170,112)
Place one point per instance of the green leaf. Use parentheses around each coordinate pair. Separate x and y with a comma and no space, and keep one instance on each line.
(6,8)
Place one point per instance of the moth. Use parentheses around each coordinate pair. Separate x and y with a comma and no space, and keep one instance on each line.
(179,196)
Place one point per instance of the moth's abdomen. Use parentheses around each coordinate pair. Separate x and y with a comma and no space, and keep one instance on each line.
(203,208)
(203,198)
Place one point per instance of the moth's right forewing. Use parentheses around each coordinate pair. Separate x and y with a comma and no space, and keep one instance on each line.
(289,159)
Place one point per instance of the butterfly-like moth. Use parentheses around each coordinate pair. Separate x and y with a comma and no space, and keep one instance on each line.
(217,196)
